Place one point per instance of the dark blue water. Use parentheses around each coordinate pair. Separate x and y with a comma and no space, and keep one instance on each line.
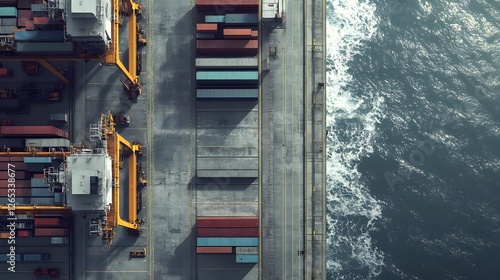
(414,154)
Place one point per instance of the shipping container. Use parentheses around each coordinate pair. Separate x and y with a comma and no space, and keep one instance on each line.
(21,175)
(227,63)
(214,250)
(58,198)
(41,21)
(6,73)
(41,192)
(4,30)
(50,222)
(13,165)
(37,159)
(42,200)
(10,104)
(255,34)
(32,131)
(9,21)
(18,200)
(215,19)
(247,258)
(226,47)
(227,232)
(37,8)
(59,240)
(227,241)
(8,12)
(5,234)
(8,2)
(247,250)
(35,257)
(36,167)
(24,4)
(19,183)
(54,232)
(233,5)
(59,117)
(4,257)
(227,93)
(45,47)
(38,175)
(38,183)
(19,192)
(23,16)
(40,35)
(24,233)
(242,19)
(237,33)
(227,78)
(29,25)
(206,27)
(47,143)
(207,36)
(227,222)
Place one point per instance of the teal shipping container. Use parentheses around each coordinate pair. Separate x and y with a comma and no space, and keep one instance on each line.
(215,19)
(38,183)
(8,12)
(227,75)
(37,159)
(227,241)
(242,19)
(227,93)
(41,192)
(247,258)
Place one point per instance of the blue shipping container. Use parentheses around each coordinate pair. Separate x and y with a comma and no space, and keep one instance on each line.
(247,258)
(8,12)
(42,200)
(215,19)
(40,36)
(242,18)
(38,183)
(37,159)
(5,257)
(58,197)
(19,201)
(43,192)
(37,8)
(227,241)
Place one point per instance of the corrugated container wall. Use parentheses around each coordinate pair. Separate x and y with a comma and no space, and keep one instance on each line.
(38,183)
(19,192)
(227,241)
(214,250)
(247,258)
(225,47)
(51,232)
(32,131)
(19,183)
(235,5)
(215,19)
(227,222)
(243,19)
(50,222)
(18,175)
(37,159)
(227,232)
(40,36)
(227,93)
(206,27)
(247,250)
(13,165)
(8,12)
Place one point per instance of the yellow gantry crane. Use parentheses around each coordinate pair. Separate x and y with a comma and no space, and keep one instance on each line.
(118,146)
(112,56)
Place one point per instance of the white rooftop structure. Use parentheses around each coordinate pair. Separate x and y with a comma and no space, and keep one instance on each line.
(89,20)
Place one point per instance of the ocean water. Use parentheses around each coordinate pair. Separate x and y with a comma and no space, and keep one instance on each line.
(414,139)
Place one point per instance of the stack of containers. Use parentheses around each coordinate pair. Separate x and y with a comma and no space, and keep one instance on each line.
(51,226)
(227,45)
(8,20)
(40,192)
(32,131)
(217,235)
(16,166)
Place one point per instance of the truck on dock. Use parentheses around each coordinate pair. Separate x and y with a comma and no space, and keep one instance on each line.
(121,119)
(138,253)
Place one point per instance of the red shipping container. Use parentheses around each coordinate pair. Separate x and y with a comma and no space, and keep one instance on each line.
(41,21)
(32,131)
(29,25)
(5,73)
(23,16)
(231,5)
(206,27)
(227,46)
(23,4)
(38,175)
(255,34)
(19,175)
(23,233)
(14,165)
(18,183)
(226,222)
(50,222)
(51,232)
(227,232)
(20,192)
(214,250)
(237,33)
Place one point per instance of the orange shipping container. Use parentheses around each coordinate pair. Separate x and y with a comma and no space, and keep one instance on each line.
(41,21)
(206,27)
(227,46)
(38,175)
(51,232)
(214,250)
(237,33)
(4,234)
(29,25)
(255,34)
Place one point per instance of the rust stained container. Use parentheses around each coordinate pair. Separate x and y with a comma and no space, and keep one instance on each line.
(32,131)
(14,165)
(227,222)
(227,46)
(214,250)
(228,5)
(41,21)
(21,175)
(20,192)
(237,33)
(55,232)
(6,73)
(19,183)
(255,34)
(50,222)
(206,27)
(227,232)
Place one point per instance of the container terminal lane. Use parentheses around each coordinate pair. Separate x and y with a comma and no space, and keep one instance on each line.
(162,139)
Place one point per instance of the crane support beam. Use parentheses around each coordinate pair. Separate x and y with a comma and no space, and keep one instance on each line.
(54,71)
(6,210)
(132,181)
